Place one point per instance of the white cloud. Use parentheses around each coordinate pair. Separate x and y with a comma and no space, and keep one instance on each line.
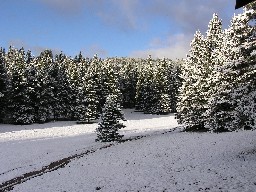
(121,14)
(174,47)
(187,15)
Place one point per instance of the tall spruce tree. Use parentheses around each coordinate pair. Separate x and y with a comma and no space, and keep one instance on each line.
(190,103)
(199,83)
(230,107)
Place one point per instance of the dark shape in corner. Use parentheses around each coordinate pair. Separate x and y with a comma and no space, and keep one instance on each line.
(241,3)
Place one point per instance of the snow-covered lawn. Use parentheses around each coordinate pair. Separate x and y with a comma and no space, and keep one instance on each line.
(174,161)
(170,162)
(30,147)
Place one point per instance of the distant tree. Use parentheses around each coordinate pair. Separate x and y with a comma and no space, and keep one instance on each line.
(3,85)
(20,106)
(145,92)
(175,82)
(62,89)
(73,75)
(110,78)
(96,73)
(139,96)
(163,104)
(43,88)
(161,84)
(128,81)
(109,125)
(46,80)
(90,101)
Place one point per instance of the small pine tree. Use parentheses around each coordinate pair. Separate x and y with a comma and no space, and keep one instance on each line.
(107,130)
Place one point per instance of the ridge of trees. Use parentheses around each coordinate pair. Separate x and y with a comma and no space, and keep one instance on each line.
(47,87)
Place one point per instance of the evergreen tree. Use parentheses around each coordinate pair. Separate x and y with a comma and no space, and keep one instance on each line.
(145,90)
(3,85)
(42,88)
(112,85)
(161,85)
(81,104)
(44,91)
(190,103)
(175,82)
(87,93)
(230,107)
(98,75)
(199,83)
(20,106)
(110,121)
(62,89)
(128,81)
(163,104)
(73,78)
(90,102)
(139,97)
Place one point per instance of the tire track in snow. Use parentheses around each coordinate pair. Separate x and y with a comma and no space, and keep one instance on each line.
(10,184)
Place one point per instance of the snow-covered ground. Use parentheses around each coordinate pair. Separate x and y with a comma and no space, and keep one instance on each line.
(174,161)
(30,147)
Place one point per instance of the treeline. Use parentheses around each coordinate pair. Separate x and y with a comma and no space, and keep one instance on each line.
(47,87)
(219,76)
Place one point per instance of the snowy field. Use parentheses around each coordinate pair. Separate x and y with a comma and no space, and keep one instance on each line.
(30,147)
(174,161)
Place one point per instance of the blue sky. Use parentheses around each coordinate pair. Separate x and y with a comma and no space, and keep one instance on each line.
(133,28)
